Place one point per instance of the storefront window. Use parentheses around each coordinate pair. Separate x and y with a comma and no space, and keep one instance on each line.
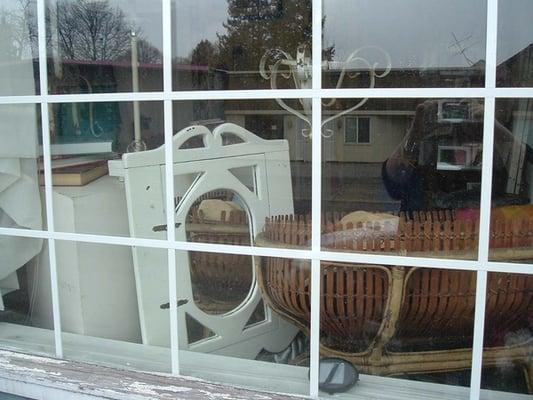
(307,197)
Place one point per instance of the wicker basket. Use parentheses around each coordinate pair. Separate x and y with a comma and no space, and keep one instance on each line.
(393,319)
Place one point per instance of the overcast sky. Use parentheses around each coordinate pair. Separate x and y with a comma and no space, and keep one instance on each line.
(415,33)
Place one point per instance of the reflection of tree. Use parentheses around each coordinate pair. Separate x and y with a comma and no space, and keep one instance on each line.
(256,28)
(18,31)
(252,28)
(94,30)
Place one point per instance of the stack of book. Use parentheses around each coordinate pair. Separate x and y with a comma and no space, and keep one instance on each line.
(76,170)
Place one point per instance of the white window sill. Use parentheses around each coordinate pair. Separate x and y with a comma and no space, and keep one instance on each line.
(48,378)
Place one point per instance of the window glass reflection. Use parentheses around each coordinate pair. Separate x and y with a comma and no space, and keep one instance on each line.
(515,44)
(404,43)
(237,44)
(511,214)
(104,46)
(19,54)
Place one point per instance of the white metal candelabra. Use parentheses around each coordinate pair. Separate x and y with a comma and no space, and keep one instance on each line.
(277,62)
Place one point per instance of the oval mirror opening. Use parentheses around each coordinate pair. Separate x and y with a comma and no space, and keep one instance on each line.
(220,282)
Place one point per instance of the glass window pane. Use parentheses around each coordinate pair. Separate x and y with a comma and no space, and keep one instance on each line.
(114,310)
(508,337)
(241,44)
(515,44)
(406,322)
(414,187)
(350,132)
(512,187)
(26,322)
(262,339)
(404,43)
(107,165)
(363,130)
(19,50)
(22,202)
(237,163)
(104,46)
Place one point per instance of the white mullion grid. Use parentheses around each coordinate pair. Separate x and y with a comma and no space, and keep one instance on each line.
(261,94)
(489,92)
(169,185)
(316,196)
(347,257)
(486,191)
(45,133)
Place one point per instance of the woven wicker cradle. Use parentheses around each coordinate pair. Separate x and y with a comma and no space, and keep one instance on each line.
(385,319)
(393,320)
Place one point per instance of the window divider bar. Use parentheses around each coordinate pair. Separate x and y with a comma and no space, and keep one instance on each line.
(47,161)
(477,343)
(503,92)
(169,185)
(486,197)
(316,196)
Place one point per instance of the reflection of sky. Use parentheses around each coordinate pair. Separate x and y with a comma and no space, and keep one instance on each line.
(145,14)
(515,27)
(416,33)
(196,20)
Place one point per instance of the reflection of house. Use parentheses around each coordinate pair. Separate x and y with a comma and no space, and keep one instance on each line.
(516,70)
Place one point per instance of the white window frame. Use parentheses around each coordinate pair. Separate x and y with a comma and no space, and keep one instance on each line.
(357,142)
(315,254)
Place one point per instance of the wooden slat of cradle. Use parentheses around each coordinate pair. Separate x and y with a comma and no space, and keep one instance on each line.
(530,232)
(518,287)
(407,236)
(408,310)
(444,298)
(455,234)
(305,291)
(370,294)
(268,270)
(501,288)
(331,300)
(506,233)
(417,245)
(523,232)
(436,240)
(378,294)
(524,307)
(451,304)
(492,296)
(468,230)
(329,309)
(294,288)
(499,232)
(280,278)
(512,296)
(423,293)
(350,299)
(413,287)
(424,317)
(470,302)
(435,291)
(428,234)
(341,295)
(359,298)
